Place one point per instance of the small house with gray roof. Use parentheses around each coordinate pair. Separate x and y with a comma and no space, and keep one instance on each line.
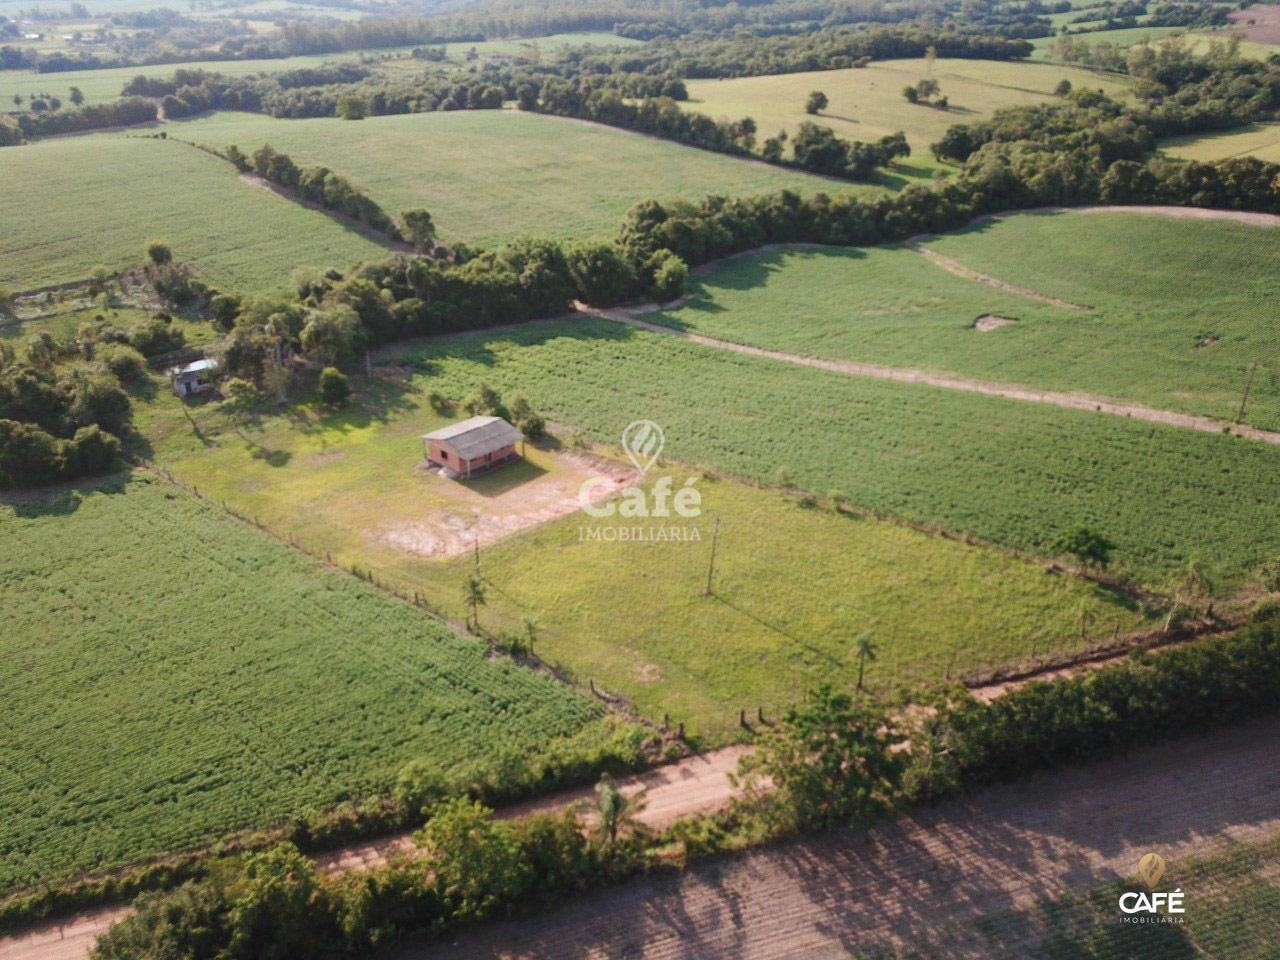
(472,445)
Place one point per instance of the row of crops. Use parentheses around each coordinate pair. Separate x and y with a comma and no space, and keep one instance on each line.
(172,674)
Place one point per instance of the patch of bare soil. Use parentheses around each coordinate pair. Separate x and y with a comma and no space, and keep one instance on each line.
(948,881)
(1261,24)
(485,519)
(960,270)
(1070,401)
(991,321)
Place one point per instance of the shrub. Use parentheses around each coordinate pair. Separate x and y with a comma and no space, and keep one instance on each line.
(335,389)
(124,362)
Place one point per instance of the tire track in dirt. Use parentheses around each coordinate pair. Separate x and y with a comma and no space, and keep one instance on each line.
(960,270)
(944,881)
(1068,401)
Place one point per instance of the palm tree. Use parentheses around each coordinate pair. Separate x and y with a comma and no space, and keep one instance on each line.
(615,811)
(864,649)
(473,592)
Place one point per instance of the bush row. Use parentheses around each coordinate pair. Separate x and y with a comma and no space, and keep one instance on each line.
(318,184)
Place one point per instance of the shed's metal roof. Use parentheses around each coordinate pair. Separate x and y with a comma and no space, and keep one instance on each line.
(196,366)
(477,436)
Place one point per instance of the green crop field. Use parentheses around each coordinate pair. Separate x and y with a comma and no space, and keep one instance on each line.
(794,584)
(95,200)
(1011,472)
(172,674)
(1181,308)
(490,175)
(1261,140)
(867,103)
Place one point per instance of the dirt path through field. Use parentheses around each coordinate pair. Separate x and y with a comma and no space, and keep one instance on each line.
(942,882)
(960,270)
(1069,401)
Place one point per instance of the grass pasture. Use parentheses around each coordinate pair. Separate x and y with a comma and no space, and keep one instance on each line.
(97,199)
(867,103)
(173,674)
(793,584)
(491,175)
(1261,140)
(1181,308)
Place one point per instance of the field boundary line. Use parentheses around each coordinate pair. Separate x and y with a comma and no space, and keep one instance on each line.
(1068,401)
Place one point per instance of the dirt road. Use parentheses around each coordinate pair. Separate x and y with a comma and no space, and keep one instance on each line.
(1069,401)
(695,784)
(945,882)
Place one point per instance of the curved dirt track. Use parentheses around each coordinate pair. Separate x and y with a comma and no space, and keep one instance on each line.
(960,270)
(939,881)
(1069,401)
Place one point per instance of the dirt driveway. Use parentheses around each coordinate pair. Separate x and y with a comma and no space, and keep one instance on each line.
(936,880)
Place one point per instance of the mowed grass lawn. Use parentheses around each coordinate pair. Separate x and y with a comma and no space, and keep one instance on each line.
(173,673)
(491,175)
(81,202)
(867,103)
(793,586)
(1181,308)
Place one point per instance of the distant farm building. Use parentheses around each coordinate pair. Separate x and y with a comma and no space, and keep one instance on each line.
(193,378)
(472,445)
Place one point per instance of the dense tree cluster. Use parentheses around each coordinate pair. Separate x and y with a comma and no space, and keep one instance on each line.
(61,413)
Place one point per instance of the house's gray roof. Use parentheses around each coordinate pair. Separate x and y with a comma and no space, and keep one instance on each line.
(477,436)
(197,366)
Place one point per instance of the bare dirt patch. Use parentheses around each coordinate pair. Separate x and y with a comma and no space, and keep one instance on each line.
(991,321)
(487,517)
(1260,24)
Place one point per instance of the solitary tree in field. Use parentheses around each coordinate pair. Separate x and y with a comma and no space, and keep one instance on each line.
(817,102)
(1062,89)
(77,97)
(474,593)
(864,649)
(159,253)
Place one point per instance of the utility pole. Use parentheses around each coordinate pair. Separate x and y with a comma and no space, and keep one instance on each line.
(477,555)
(1248,384)
(711,566)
